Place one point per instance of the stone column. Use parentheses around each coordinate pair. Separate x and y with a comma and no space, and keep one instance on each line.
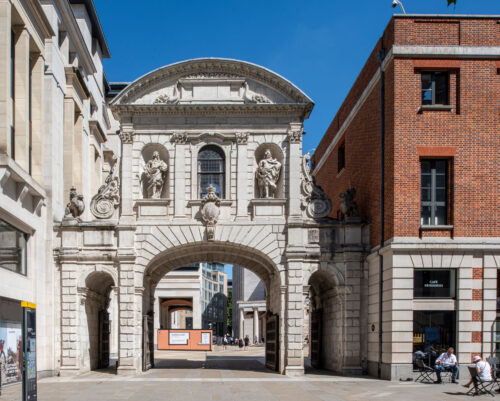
(295,158)
(255,324)
(197,311)
(37,76)
(78,155)
(22,93)
(6,118)
(242,323)
(127,210)
(156,320)
(113,340)
(242,180)
(179,195)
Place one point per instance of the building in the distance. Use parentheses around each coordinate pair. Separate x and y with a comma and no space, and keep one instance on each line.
(426,104)
(214,297)
(249,305)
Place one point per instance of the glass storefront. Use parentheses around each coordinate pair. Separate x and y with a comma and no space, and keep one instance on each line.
(12,248)
(433,333)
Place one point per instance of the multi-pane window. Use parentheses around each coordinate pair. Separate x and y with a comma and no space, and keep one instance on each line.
(12,248)
(433,192)
(435,88)
(211,170)
(341,157)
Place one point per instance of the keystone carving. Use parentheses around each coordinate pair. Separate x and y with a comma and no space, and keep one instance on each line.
(75,207)
(179,138)
(315,202)
(267,175)
(107,199)
(210,211)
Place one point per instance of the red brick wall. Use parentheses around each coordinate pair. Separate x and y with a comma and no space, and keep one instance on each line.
(470,132)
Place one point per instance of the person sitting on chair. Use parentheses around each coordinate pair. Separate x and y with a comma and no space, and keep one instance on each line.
(447,362)
(483,373)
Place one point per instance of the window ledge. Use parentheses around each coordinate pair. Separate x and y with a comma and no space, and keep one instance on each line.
(197,202)
(435,107)
(436,228)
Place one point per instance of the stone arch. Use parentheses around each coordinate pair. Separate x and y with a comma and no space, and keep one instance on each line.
(146,155)
(95,287)
(327,311)
(277,153)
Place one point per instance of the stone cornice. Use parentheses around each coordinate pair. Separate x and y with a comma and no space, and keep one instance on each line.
(213,65)
(300,111)
(42,23)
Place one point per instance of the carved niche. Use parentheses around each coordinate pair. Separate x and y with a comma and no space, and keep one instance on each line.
(154,176)
(267,175)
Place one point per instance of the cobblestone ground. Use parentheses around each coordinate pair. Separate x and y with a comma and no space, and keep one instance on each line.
(229,375)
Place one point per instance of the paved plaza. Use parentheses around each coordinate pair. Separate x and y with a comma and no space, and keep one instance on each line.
(229,375)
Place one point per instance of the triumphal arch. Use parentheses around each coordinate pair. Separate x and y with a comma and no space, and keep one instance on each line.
(211,169)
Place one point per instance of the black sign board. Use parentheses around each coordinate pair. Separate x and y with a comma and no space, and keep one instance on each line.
(434,283)
(29,352)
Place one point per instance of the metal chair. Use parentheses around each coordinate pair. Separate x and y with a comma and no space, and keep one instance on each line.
(495,372)
(425,371)
(483,387)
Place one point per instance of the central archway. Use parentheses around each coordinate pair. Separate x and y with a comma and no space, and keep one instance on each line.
(215,252)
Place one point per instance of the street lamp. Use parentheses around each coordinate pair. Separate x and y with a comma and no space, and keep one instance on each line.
(395,3)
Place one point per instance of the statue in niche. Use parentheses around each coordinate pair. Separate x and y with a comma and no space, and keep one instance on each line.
(268,174)
(75,207)
(155,171)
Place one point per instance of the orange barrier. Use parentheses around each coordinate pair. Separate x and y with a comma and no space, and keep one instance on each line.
(185,340)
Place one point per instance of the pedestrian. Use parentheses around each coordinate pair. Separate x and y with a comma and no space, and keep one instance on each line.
(247,341)
(240,343)
(447,362)
(255,339)
(224,342)
(483,373)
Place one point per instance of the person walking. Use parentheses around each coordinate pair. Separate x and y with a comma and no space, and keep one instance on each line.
(247,341)
(224,342)
(483,373)
(447,362)
(240,343)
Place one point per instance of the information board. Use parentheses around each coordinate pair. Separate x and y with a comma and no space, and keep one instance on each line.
(178,338)
(205,338)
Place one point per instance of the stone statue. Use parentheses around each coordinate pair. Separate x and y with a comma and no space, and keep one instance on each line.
(155,170)
(268,174)
(75,207)
(348,206)
(210,211)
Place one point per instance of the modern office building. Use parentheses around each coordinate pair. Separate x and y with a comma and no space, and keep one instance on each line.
(214,298)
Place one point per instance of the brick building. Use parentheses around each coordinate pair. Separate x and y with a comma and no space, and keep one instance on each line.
(435,81)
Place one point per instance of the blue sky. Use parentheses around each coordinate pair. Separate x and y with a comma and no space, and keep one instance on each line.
(320,46)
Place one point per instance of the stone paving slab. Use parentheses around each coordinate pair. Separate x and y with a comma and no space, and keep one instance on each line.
(225,376)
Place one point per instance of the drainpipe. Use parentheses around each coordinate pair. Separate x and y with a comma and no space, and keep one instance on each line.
(381,57)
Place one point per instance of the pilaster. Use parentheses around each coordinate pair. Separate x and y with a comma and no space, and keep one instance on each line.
(242,180)
(6,118)
(295,149)
(180,176)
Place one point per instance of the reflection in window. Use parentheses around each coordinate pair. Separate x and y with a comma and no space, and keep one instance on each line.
(211,170)
(12,248)
(434,283)
(435,88)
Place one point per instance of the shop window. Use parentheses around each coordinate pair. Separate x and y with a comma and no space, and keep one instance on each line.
(435,88)
(434,192)
(434,283)
(12,248)
(433,333)
(10,341)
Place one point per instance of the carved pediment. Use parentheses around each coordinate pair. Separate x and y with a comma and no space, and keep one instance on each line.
(211,81)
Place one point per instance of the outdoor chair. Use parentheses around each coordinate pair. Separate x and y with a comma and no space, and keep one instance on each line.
(495,372)
(482,387)
(425,371)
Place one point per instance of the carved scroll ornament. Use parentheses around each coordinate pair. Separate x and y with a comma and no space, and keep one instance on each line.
(210,211)
(315,202)
(107,199)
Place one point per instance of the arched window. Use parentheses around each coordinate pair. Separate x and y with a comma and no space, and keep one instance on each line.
(211,170)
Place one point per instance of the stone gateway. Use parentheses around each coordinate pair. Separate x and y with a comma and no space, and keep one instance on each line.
(193,136)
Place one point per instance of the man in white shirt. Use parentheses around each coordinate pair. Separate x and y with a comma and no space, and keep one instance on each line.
(483,372)
(447,362)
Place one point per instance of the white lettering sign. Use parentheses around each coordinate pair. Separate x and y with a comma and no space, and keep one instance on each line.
(205,338)
(176,338)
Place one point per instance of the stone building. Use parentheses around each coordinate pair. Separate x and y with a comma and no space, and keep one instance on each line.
(249,305)
(53,135)
(427,94)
